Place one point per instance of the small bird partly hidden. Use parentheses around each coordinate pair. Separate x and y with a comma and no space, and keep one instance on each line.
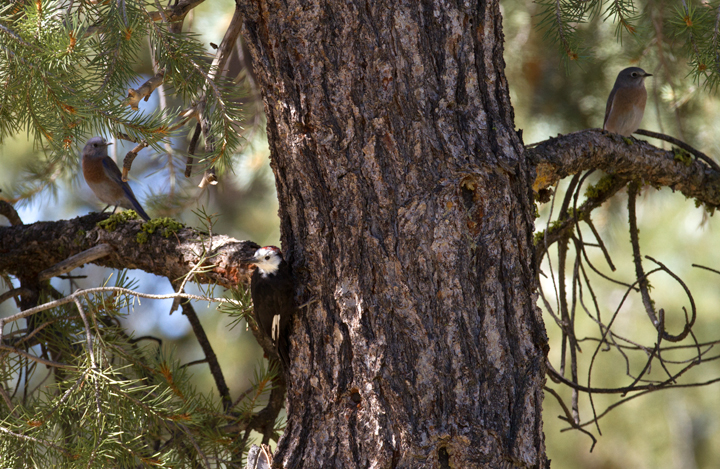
(104,178)
(626,103)
(273,293)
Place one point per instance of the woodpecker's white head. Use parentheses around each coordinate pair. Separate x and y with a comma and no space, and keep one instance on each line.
(267,260)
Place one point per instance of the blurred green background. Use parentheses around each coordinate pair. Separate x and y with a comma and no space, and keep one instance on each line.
(669,429)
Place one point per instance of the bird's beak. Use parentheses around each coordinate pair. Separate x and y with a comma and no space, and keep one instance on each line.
(107,144)
(647,75)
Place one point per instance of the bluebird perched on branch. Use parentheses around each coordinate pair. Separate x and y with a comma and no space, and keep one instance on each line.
(104,178)
(626,103)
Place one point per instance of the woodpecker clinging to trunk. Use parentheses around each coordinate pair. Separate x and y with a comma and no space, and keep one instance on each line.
(272,293)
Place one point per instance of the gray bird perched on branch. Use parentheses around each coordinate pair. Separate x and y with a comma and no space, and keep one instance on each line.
(104,178)
(626,103)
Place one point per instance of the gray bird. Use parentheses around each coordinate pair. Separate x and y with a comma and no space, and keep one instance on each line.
(626,103)
(104,178)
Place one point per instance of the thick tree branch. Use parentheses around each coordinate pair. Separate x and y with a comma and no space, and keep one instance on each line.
(30,249)
(628,158)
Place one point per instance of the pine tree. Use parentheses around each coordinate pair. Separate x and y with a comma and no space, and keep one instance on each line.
(407,204)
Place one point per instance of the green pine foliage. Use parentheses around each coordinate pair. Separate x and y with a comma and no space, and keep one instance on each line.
(121,402)
(65,70)
(559,20)
(697,27)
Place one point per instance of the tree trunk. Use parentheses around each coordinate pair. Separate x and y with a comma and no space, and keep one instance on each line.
(407,214)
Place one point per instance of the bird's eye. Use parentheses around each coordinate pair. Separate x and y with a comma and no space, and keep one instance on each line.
(267,258)
(634,74)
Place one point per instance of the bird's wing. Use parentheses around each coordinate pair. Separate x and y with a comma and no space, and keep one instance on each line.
(113,172)
(111,169)
(608,107)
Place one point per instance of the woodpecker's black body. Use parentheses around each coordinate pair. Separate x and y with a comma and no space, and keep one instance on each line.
(272,293)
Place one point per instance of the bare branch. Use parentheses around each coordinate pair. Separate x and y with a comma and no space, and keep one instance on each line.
(695,152)
(568,223)
(568,417)
(85,257)
(9,212)
(177,12)
(130,157)
(36,440)
(34,358)
(627,162)
(88,291)
(135,95)
(215,370)
(637,259)
(14,293)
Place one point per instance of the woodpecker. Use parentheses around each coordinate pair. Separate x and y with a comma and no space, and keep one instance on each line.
(272,292)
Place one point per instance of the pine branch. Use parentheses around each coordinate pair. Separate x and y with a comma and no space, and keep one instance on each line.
(65,81)
(216,69)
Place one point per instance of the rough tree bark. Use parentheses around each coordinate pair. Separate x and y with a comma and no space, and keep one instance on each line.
(407,213)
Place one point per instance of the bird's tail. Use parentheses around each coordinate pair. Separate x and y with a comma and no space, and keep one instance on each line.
(283,349)
(135,204)
(140,211)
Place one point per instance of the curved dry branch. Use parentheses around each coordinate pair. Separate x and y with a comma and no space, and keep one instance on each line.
(8,211)
(30,249)
(632,163)
(176,12)
(693,151)
(625,157)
